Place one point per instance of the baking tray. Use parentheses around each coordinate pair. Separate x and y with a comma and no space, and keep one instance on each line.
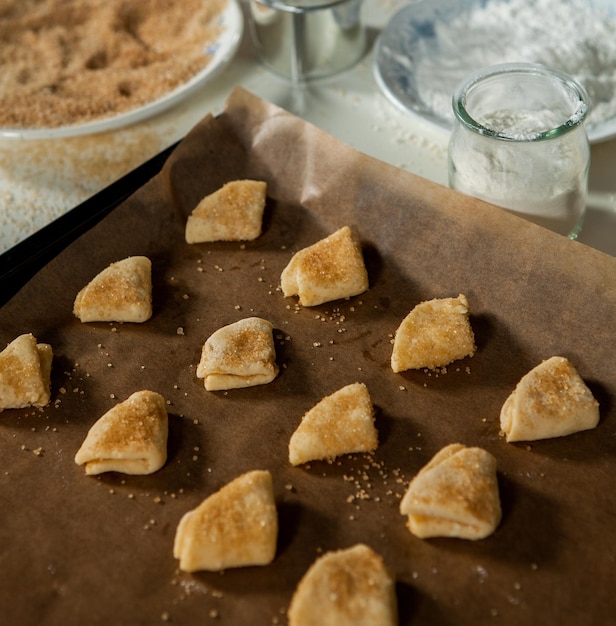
(76,549)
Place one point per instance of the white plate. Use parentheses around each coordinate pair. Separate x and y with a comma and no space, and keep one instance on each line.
(222,50)
(418,68)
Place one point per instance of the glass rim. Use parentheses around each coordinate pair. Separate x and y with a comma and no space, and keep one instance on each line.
(527,69)
(301,6)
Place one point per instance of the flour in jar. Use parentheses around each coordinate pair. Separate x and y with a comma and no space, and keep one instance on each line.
(519,143)
(520,125)
(544,181)
(574,36)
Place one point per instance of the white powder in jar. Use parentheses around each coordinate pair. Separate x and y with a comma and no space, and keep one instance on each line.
(574,36)
(520,125)
(522,167)
(544,181)
(548,188)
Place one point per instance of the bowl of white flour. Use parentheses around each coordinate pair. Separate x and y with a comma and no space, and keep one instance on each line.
(429,46)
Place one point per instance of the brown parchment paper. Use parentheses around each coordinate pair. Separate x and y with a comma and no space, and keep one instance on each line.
(85,550)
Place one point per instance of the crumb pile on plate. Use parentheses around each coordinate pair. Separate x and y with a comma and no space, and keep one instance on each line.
(70,62)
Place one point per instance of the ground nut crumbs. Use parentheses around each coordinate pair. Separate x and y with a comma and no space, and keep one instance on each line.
(71,61)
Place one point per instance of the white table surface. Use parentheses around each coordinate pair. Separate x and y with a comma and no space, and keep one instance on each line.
(42,179)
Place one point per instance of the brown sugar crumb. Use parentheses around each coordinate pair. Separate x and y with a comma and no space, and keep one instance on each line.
(72,61)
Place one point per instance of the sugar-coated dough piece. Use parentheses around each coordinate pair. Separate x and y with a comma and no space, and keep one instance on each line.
(340,423)
(434,334)
(235,527)
(25,371)
(130,438)
(551,400)
(350,587)
(454,495)
(122,292)
(232,213)
(238,355)
(331,269)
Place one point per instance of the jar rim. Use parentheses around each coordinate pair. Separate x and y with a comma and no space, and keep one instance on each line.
(579,114)
(301,6)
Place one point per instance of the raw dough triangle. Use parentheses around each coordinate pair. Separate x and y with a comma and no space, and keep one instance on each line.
(340,423)
(433,334)
(330,269)
(122,292)
(551,400)
(25,370)
(236,526)
(232,213)
(454,495)
(241,354)
(349,587)
(130,438)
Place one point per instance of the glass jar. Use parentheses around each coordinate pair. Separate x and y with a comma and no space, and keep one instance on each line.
(519,142)
(307,39)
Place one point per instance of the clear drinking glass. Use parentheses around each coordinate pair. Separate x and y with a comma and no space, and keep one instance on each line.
(307,39)
(519,142)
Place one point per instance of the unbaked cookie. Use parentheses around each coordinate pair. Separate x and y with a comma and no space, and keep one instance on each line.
(330,269)
(350,587)
(235,527)
(241,354)
(340,423)
(25,371)
(130,438)
(122,292)
(232,213)
(551,400)
(454,495)
(434,334)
